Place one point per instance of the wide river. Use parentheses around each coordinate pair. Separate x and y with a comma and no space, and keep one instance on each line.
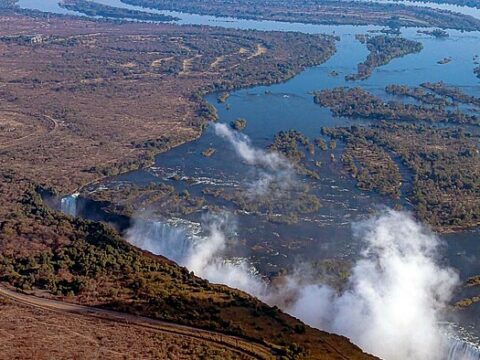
(289,105)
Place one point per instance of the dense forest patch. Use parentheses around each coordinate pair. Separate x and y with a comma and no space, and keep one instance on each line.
(445,163)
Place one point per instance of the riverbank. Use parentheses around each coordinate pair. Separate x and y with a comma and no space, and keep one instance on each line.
(79,65)
(268,111)
(332,13)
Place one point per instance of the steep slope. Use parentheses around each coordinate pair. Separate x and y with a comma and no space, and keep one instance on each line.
(80,100)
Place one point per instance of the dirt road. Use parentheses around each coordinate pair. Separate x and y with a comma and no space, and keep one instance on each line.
(248,350)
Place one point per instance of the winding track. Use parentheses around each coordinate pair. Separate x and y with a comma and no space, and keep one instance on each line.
(39,133)
(246,349)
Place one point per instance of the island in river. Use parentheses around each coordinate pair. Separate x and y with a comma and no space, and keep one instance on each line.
(83,99)
(294,236)
(313,12)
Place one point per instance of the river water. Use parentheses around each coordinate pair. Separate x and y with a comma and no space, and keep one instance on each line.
(326,234)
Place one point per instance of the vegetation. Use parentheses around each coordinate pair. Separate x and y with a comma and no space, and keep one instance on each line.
(91,8)
(112,97)
(383,49)
(291,200)
(472,282)
(465,303)
(57,334)
(239,124)
(321,144)
(286,143)
(312,11)
(161,199)
(476,71)
(388,31)
(208,152)
(439,94)
(7,4)
(222,97)
(455,94)
(444,61)
(285,207)
(419,94)
(356,102)
(438,33)
(445,163)
(332,272)
(82,77)
(296,147)
(370,165)
(38,40)
(88,262)
(469,3)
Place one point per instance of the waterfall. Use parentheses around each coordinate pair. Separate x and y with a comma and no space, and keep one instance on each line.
(199,248)
(68,204)
(170,239)
(460,349)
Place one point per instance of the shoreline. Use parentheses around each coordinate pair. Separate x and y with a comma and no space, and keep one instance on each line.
(314,21)
(227,18)
(204,94)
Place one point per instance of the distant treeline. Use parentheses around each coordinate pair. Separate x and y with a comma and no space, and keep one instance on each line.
(95,9)
(383,49)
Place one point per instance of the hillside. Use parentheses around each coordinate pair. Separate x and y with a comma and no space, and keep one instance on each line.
(81,100)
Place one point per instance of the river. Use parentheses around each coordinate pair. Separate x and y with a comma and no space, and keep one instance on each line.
(269,109)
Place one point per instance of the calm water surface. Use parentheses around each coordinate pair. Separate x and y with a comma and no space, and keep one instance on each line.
(269,109)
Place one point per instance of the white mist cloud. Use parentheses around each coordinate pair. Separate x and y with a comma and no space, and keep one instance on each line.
(201,253)
(273,168)
(206,260)
(244,148)
(160,238)
(395,296)
(393,300)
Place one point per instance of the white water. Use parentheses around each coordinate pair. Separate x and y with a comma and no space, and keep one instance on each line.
(181,242)
(199,248)
(68,204)
(167,239)
(462,350)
